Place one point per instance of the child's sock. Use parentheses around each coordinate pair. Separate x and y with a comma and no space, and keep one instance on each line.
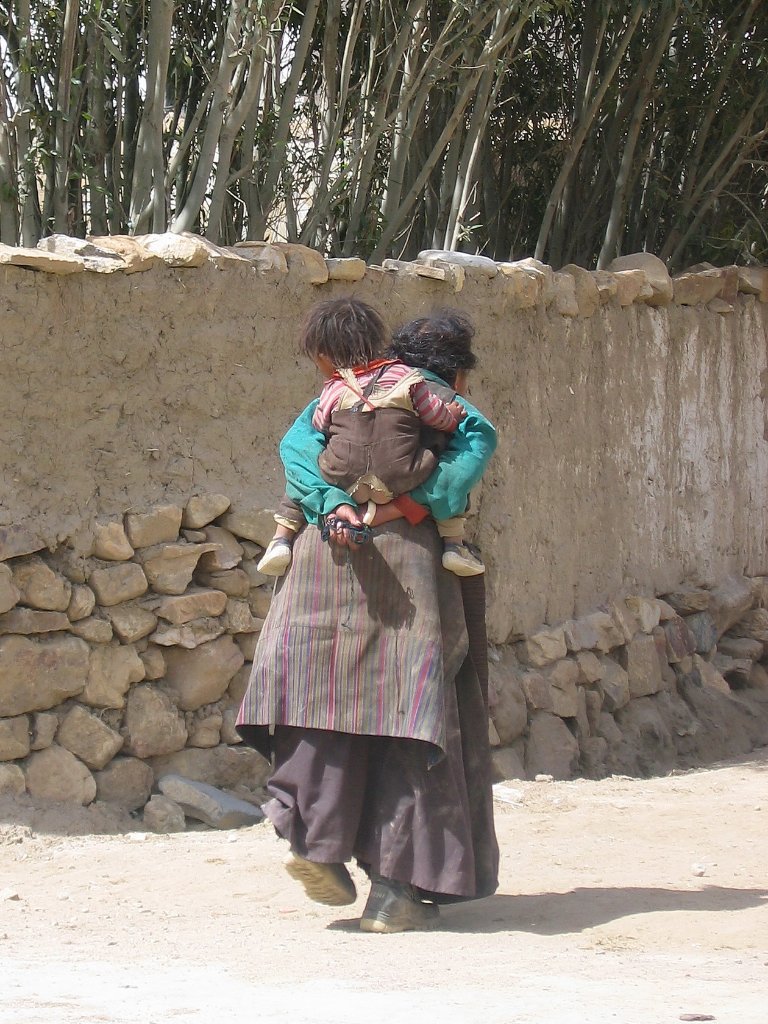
(458,559)
(277,557)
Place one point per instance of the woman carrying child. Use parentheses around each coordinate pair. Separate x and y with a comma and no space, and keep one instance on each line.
(368,686)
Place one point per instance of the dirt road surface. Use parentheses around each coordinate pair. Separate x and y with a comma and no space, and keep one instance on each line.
(621,902)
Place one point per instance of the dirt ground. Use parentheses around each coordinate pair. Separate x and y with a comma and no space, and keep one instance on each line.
(626,901)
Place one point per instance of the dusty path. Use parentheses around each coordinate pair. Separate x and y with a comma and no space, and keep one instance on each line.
(623,901)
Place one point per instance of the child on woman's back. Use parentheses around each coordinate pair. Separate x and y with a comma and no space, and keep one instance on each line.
(372,411)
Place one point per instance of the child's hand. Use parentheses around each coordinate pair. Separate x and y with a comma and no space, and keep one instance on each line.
(458,410)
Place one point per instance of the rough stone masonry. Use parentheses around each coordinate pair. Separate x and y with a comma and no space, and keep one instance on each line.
(144,385)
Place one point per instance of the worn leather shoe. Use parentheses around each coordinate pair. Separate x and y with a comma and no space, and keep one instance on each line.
(330,884)
(394,907)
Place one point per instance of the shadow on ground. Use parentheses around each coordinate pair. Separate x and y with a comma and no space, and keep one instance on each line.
(559,913)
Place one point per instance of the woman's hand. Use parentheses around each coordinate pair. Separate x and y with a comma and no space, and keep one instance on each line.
(339,537)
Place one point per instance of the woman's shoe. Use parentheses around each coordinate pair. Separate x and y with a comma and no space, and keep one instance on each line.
(393,907)
(330,884)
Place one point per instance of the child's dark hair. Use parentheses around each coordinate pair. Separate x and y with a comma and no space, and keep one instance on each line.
(441,343)
(346,331)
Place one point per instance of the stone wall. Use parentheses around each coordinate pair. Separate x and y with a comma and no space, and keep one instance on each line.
(144,381)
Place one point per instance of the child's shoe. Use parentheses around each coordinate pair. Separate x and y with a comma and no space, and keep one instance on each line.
(276,558)
(458,559)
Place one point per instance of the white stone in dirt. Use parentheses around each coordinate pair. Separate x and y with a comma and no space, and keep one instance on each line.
(686,600)
(741,647)
(239,618)
(152,724)
(641,661)
(154,662)
(623,617)
(40,587)
(655,270)
(196,603)
(647,611)
(94,630)
(81,603)
(507,702)
(543,647)
(229,733)
(564,299)
(729,601)
(44,726)
(131,622)
(56,774)
(201,676)
(580,634)
(14,738)
(136,258)
(189,635)
(39,674)
(113,668)
(607,285)
(698,288)
(204,726)
(481,265)
(551,749)
(87,737)
(562,678)
(118,583)
(256,578)
(96,259)
(232,582)
(27,621)
(609,634)
(126,782)
(304,262)
(12,782)
(350,269)
(260,600)
(227,553)
(758,677)
(208,804)
(522,289)
(18,540)
(632,286)
(202,509)
(164,815)
(238,685)
(257,525)
(9,594)
(753,625)
(110,542)
(590,668)
(34,259)
(169,567)
(181,250)
(222,766)
(586,290)
(247,644)
(709,674)
(267,258)
(158,526)
(614,685)
(506,764)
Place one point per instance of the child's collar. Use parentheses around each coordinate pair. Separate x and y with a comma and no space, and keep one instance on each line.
(375,364)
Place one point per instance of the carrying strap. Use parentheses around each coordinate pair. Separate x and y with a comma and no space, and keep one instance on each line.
(364,395)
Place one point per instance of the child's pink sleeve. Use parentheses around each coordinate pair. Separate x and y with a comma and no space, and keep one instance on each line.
(321,418)
(431,410)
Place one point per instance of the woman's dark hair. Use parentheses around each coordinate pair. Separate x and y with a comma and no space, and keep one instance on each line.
(346,331)
(441,343)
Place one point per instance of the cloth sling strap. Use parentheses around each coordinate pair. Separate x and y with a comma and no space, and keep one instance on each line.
(364,395)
